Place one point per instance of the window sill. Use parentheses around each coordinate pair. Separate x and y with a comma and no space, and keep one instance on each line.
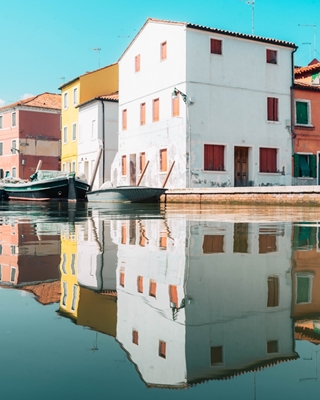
(273,122)
(305,126)
(304,177)
(206,171)
(270,173)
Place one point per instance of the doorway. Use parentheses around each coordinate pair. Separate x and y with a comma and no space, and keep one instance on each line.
(133,167)
(241,166)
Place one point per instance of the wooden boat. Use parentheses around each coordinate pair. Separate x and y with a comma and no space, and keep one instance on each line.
(126,194)
(47,185)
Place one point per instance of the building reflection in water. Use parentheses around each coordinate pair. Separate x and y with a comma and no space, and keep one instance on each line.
(188,301)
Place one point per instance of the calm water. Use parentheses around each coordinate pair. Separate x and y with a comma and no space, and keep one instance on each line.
(140,301)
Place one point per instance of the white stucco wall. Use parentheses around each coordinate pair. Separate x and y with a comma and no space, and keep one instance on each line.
(88,144)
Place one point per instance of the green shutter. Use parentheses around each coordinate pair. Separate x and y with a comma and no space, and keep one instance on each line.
(302,113)
(296,165)
(313,165)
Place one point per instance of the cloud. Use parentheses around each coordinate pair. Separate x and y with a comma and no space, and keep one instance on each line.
(26,96)
(2,102)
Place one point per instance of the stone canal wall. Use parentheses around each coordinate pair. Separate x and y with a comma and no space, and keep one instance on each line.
(265,195)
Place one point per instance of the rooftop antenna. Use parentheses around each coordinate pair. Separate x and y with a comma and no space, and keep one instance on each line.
(252,10)
(314,37)
(309,43)
(97,49)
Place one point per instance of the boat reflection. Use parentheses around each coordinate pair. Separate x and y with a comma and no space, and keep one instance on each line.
(188,300)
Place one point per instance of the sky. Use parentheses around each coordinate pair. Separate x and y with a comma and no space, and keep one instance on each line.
(44,43)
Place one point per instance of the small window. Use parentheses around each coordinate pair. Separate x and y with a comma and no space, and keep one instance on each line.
(155,110)
(122,276)
(142,162)
(75,96)
(14,172)
(213,157)
(173,295)
(272,106)
(215,46)
(1,123)
(304,288)
(14,119)
(272,347)
(271,56)
(135,337)
(65,134)
(140,284)
(137,63)
(124,120)
(124,234)
(213,244)
(74,132)
(153,288)
(65,100)
(65,293)
(75,289)
(162,348)
(273,291)
(267,244)
(142,113)
(268,160)
(175,106)
(13,274)
(216,355)
(163,160)
(13,249)
(124,165)
(305,165)
(163,51)
(163,242)
(303,113)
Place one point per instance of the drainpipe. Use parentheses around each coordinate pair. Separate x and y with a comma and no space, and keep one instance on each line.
(292,132)
(103,143)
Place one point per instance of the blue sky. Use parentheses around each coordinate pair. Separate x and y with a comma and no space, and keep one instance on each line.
(44,43)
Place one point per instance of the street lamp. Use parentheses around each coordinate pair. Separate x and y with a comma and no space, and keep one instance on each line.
(188,101)
(14,150)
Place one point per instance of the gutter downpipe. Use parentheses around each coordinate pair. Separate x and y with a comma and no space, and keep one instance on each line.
(103,143)
(292,132)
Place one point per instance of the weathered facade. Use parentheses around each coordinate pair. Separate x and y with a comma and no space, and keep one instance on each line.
(183,102)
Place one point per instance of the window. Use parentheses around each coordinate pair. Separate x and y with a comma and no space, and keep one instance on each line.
(213,244)
(140,284)
(142,113)
(273,291)
(13,249)
(14,172)
(65,100)
(13,274)
(74,296)
(216,355)
(65,293)
(142,161)
(162,348)
(267,243)
(93,129)
(163,51)
(1,123)
(163,160)
(153,288)
(213,157)
(137,63)
(124,234)
(240,237)
(65,134)
(73,166)
(268,160)
(64,263)
(75,96)
(271,56)
(124,120)
(272,105)
(173,294)
(305,165)
(124,165)
(135,337)
(303,114)
(122,276)
(73,262)
(304,288)
(272,346)
(163,242)
(14,119)
(1,149)
(155,113)
(74,132)
(215,46)
(175,106)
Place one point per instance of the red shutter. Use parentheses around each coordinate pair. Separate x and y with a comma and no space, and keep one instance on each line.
(173,292)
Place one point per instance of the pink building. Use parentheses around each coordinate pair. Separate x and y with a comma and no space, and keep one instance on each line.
(30,132)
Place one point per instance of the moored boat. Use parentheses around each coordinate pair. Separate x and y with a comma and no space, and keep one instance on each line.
(126,194)
(47,185)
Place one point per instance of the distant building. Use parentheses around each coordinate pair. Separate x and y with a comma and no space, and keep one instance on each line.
(30,132)
(84,134)
(215,103)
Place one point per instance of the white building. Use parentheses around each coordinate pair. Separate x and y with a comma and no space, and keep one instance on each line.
(230,112)
(98,128)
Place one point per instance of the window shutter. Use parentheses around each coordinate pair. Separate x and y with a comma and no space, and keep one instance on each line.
(302,113)
(296,165)
(313,165)
(270,109)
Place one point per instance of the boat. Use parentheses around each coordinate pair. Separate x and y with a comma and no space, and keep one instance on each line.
(47,185)
(125,194)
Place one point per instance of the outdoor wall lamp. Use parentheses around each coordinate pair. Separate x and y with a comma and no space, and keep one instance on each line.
(187,100)
(14,150)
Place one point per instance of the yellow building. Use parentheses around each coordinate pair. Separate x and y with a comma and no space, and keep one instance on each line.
(77,91)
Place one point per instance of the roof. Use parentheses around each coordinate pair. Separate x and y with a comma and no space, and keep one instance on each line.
(44,100)
(113,97)
(214,30)
(306,86)
(303,72)
(87,73)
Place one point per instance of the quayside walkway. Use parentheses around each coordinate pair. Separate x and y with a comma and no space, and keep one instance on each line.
(272,195)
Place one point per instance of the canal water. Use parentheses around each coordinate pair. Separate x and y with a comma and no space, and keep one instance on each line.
(159,302)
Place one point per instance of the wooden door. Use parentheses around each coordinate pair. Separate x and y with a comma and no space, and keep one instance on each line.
(241,166)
